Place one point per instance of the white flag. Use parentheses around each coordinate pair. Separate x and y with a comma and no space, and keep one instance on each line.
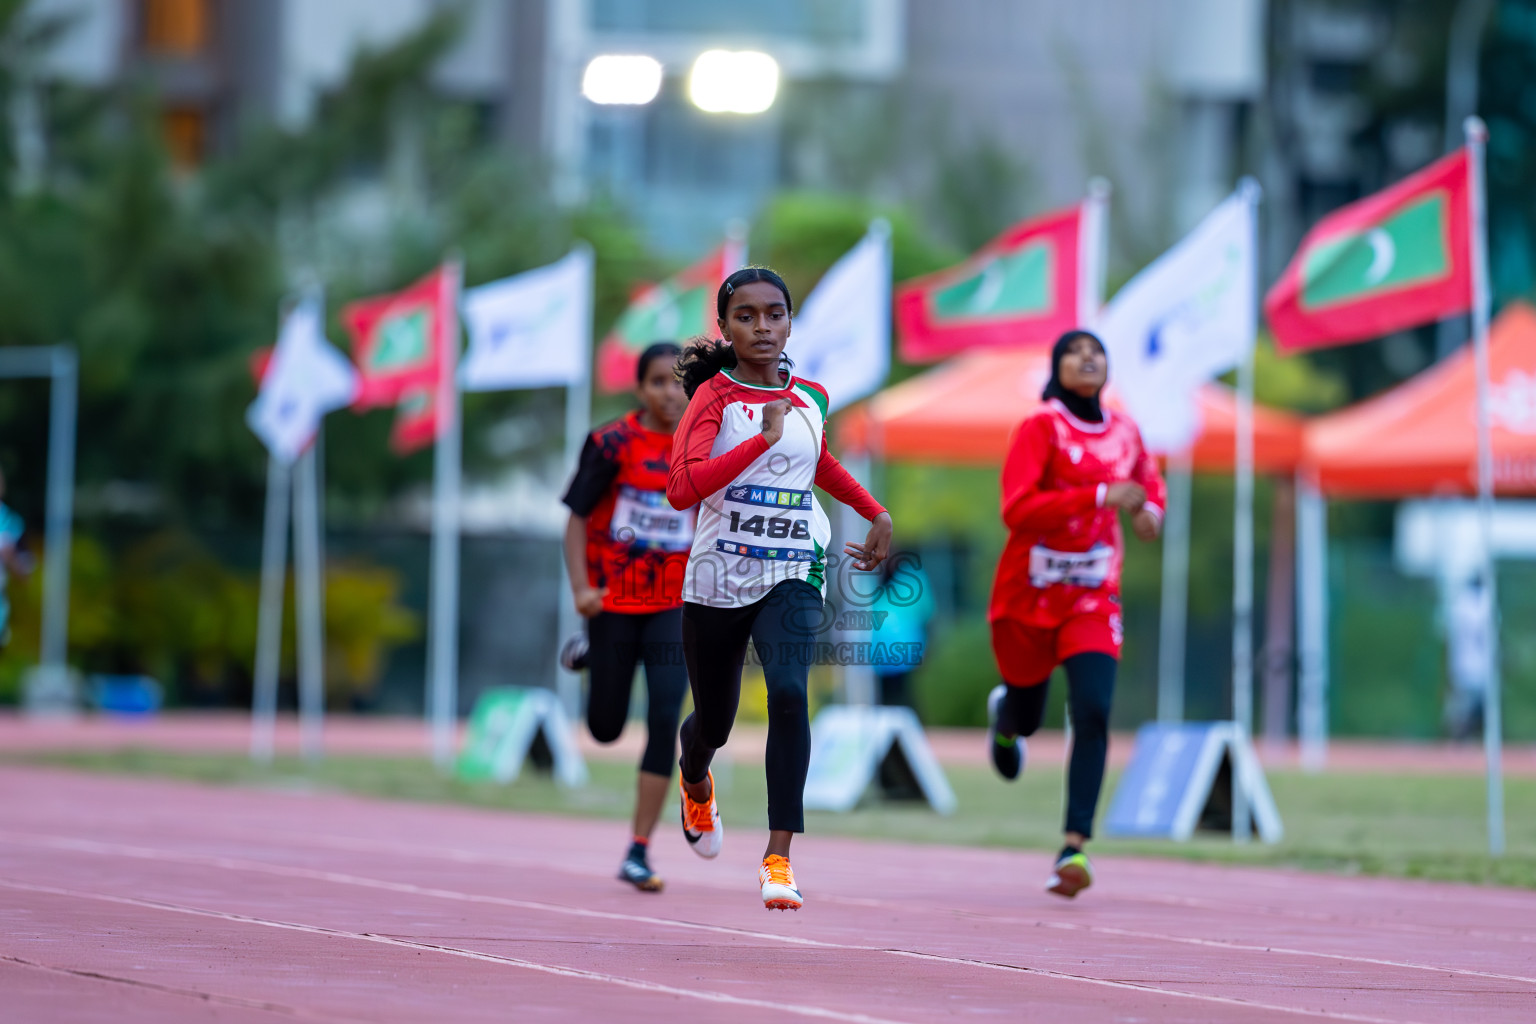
(842,337)
(305,379)
(1188,317)
(531,330)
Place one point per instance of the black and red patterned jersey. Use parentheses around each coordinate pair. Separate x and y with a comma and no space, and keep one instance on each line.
(637,543)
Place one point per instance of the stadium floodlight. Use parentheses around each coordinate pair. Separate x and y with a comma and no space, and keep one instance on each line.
(628,79)
(733,82)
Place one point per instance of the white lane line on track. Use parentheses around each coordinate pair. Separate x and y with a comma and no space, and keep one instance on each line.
(1153,990)
(1322,917)
(467,954)
(191,993)
(460,856)
(1248,947)
(406,888)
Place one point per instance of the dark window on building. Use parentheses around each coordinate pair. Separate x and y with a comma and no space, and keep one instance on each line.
(186,134)
(1337,76)
(177,28)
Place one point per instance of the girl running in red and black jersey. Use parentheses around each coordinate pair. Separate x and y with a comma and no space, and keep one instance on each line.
(625,551)
(1071,467)
(748,452)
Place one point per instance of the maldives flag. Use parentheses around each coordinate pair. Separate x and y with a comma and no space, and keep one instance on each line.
(1023,288)
(1395,259)
(415,420)
(399,341)
(679,308)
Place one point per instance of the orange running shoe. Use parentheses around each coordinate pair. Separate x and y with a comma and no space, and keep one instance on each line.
(778,882)
(701,822)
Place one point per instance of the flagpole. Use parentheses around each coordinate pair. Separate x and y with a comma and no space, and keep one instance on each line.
(306,550)
(1242,554)
(269,623)
(1093,263)
(1477,140)
(1312,623)
(446,475)
(1174,613)
(578,421)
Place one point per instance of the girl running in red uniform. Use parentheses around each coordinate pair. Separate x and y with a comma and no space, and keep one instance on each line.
(625,550)
(748,452)
(1071,467)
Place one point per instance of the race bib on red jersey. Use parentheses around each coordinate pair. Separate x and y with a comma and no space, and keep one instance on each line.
(1074,568)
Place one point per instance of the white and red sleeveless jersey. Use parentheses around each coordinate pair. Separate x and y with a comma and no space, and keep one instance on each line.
(759,522)
(1065,547)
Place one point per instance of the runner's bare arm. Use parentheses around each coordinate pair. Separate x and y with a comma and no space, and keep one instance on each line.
(589,600)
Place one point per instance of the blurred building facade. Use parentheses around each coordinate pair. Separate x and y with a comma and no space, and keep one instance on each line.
(1169,99)
(873,92)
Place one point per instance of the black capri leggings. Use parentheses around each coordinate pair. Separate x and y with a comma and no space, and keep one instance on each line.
(783,627)
(1090,690)
(616,642)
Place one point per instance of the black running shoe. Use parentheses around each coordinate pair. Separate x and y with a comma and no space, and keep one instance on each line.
(1007,758)
(638,873)
(573,656)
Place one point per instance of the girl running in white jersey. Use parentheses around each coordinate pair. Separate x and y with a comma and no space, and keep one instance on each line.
(748,452)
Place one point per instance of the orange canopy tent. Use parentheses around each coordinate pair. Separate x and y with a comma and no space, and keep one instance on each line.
(964,410)
(1420,438)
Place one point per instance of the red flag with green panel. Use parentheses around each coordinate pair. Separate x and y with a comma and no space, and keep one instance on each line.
(400,343)
(677,309)
(399,340)
(1396,259)
(1023,288)
(416,421)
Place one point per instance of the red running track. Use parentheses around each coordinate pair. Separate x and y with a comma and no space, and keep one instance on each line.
(131,900)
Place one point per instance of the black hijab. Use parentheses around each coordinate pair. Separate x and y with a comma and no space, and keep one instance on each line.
(1085,409)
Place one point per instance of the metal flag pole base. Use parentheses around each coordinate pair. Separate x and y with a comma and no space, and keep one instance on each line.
(443,661)
(269,624)
(1173,616)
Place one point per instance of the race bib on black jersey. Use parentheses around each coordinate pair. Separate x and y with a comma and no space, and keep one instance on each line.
(643,519)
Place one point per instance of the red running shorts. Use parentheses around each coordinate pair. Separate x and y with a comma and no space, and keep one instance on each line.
(1026,655)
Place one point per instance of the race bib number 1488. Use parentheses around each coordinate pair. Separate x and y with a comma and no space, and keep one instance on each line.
(756,517)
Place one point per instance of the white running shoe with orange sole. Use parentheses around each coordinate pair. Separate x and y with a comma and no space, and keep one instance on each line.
(778,881)
(701,822)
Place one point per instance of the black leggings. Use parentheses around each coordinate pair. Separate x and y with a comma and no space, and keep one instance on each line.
(616,642)
(1090,688)
(782,627)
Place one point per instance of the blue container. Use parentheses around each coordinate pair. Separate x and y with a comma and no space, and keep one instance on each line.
(126,695)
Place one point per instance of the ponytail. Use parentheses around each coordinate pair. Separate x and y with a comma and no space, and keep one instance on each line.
(701,360)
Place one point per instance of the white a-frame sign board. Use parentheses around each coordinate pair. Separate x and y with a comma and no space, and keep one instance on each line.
(855,746)
(514,724)
(1181,778)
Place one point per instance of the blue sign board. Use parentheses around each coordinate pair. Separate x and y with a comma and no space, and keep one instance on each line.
(1170,777)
